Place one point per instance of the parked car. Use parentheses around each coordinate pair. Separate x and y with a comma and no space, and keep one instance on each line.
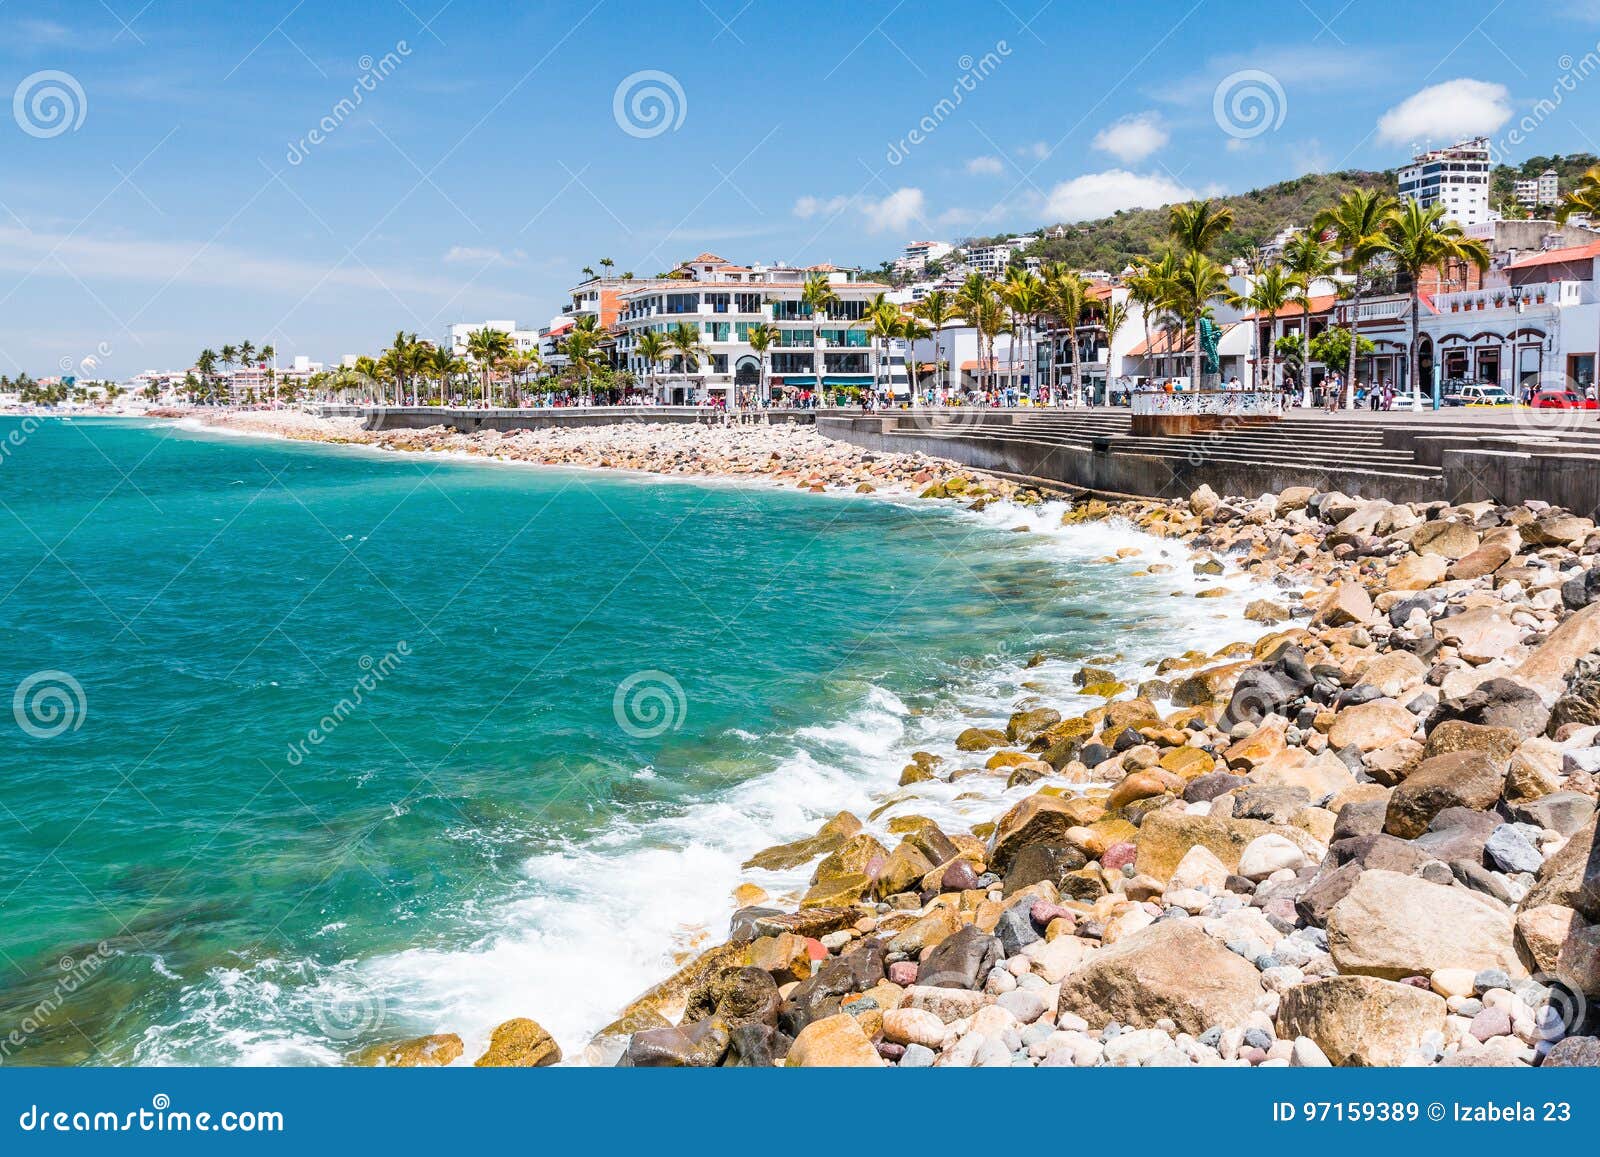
(1563,400)
(1477,394)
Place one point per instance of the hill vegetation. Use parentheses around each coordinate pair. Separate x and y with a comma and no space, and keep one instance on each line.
(1111,243)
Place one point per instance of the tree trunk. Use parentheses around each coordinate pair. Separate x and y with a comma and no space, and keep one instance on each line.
(1305,358)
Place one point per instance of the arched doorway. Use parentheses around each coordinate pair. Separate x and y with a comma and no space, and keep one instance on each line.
(747,379)
(1425,364)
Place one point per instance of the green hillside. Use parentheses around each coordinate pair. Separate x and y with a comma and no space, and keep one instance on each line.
(1110,243)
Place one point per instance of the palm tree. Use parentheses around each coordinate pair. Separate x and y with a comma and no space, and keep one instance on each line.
(1150,286)
(881,319)
(912,330)
(1310,259)
(1068,292)
(206,363)
(1419,239)
(1114,317)
(228,356)
(1024,295)
(1583,199)
(937,309)
(762,337)
(606,264)
(1271,290)
(1197,282)
(488,348)
(654,349)
(819,300)
(1357,224)
(971,300)
(1198,225)
(684,338)
(989,319)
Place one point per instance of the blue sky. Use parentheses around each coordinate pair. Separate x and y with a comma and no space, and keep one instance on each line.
(178,174)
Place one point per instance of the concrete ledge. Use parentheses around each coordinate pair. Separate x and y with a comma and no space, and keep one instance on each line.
(471,420)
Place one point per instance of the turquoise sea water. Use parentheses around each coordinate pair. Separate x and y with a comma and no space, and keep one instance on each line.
(318,746)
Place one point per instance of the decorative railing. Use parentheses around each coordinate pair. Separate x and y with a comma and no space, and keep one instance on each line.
(1219,403)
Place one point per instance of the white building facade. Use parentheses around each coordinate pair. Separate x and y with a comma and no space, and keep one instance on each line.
(723,302)
(1456,178)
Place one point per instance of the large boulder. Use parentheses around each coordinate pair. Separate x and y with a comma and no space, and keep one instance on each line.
(1395,926)
(1360,1020)
(1553,660)
(1556,942)
(1347,604)
(1451,540)
(1481,634)
(1170,970)
(784,856)
(962,960)
(1166,836)
(1038,819)
(1469,779)
(422,1052)
(1497,703)
(519,1043)
(1371,725)
(1571,877)
(833,1042)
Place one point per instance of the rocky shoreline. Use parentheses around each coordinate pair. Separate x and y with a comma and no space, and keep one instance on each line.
(1368,838)
(782,453)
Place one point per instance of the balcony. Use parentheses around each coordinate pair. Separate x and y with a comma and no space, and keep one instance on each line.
(1544,295)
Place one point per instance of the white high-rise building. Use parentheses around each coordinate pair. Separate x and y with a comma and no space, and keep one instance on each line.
(1457,178)
(917,255)
(522,340)
(1545,189)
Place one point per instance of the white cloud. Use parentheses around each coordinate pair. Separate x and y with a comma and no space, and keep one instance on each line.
(1038,151)
(986,166)
(192,263)
(896,212)
(1101,194)
(1446,113)
(473,255)
(808,206)
(1132,138)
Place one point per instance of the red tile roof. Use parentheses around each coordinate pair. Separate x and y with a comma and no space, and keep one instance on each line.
(1320,303)
(706,257)
(1559,256)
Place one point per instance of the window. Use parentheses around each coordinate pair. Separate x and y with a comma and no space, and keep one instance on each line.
(719,331)
(748,302)
(718,302)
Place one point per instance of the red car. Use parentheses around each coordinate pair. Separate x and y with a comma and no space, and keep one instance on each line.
(1563,400)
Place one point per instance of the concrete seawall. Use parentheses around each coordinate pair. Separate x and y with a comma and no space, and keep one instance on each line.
(1399,457)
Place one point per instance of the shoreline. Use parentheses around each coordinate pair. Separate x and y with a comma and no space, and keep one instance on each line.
(1364,820)
(1368,830)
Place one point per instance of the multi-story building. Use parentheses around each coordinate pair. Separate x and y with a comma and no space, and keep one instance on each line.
(917,254)
(723,301)
(1534,192)
(993,260)
(1273,249)
(522,340)
(1456,178)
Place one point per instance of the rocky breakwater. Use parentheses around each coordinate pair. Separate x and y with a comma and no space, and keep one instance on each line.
(1367,838)
(785,454)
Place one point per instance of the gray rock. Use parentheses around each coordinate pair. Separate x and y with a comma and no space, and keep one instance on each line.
(1510,850)
(917,1057)
(961,961)
(1560,811)
(1015,927)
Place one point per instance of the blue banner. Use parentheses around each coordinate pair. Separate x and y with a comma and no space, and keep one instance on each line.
(1303,1111)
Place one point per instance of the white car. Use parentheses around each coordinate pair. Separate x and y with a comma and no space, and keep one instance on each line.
(1477,395)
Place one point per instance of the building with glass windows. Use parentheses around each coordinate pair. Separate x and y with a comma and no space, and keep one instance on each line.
(723,302)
